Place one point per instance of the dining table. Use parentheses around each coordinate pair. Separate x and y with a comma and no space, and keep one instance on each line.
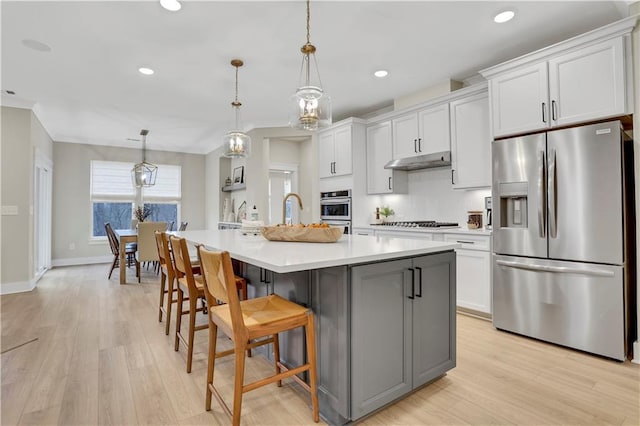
(125,236)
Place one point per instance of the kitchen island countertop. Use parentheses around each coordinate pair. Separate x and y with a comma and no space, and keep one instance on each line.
(283,257)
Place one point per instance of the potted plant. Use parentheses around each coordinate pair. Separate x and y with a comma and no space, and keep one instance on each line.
(142,213)
(386,211)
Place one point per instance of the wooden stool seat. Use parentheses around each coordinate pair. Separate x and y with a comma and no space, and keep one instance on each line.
(249,324)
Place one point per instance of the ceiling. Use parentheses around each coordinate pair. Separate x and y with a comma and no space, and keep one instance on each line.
(87,89)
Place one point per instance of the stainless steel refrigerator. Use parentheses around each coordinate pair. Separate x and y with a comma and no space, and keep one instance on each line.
(562,230)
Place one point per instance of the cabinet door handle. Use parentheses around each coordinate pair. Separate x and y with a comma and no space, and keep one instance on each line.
(261,275)
(413,284)
(419,281)
(419,144)
(390,183)
(452,182)
(544,108)
(415,146)
(553,111)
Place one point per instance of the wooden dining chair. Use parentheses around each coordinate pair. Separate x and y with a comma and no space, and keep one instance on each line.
(249,324)
(114,244)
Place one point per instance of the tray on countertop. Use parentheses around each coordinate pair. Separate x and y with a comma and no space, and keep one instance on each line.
(302,234)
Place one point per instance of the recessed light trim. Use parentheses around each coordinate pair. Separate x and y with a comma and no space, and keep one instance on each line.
(504,16)
(381,73)
(36,45)
(172,5)
(145,71)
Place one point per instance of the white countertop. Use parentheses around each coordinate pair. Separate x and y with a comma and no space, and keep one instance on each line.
(282,257)
(458,230)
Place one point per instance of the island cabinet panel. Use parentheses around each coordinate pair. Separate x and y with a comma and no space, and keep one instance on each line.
(380,335)
(402,328)
(330,304)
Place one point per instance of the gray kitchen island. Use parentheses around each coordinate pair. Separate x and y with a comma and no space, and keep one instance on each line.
(385,311)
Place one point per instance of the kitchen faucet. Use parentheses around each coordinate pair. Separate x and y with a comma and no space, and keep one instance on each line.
(284,205)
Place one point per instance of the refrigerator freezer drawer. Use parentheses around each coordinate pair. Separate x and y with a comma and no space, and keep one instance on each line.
(573,304)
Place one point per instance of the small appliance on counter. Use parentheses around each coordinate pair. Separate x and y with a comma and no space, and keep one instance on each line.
(487,207)
(475,219)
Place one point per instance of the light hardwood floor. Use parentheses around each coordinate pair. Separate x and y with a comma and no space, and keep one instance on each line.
(102,358)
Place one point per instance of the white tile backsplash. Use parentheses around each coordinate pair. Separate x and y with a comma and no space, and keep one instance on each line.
(430,197)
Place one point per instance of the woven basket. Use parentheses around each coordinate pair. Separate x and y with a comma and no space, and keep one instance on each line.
(302,234)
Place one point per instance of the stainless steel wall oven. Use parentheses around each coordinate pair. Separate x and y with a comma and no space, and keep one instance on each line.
(335,208)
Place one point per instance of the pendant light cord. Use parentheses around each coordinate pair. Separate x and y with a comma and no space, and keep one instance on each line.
(308,19)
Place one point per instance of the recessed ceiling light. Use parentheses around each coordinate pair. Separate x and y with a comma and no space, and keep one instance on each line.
(503,17)
(145,70)
(172,5)
(36,45)
(381,73)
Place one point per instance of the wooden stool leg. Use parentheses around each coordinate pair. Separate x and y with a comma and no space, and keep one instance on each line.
(179,317)
(211,362)
(169,303)
(163,284)
(276,356)
(311,355)
(238,383)
(193,305)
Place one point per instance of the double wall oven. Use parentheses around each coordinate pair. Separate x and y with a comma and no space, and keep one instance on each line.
(335,209)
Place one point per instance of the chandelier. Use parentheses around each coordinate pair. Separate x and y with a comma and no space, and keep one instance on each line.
(237,143)
(310,107)
(144,174)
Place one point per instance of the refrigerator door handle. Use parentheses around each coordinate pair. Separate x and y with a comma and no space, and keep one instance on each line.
(551,190)
(557,269)
(542,208)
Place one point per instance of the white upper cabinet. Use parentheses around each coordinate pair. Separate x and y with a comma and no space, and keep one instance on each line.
(588,84)
(519,101)
(586,78)
(379,153)
(335,151)
(470,142)
(422,132)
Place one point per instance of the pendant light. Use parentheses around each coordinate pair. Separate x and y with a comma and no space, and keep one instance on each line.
(310,107)
(237,143)
(144,174)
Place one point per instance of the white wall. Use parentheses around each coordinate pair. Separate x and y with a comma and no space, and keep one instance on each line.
(71,196)
(22,133)
(430,197)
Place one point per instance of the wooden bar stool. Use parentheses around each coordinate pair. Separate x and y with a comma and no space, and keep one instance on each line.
(167,278)
(249,324)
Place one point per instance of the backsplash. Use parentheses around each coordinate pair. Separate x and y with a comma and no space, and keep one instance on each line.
(430,197)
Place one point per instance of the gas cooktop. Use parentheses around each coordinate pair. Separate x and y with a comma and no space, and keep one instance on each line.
(420,224)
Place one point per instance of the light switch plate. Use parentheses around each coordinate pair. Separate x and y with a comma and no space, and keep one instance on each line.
(9,210)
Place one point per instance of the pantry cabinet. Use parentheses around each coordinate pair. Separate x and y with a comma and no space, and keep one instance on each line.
(409,305)
(470,142)
(379,153)
(583,79)
(423,132)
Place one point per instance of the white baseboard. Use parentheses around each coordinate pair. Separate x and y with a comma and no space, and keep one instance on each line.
(17,287)
(636,352)
(73,261)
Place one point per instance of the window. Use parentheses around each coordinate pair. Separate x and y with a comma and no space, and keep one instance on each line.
(113,195)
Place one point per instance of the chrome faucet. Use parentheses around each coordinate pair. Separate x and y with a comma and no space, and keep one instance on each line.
(284,205)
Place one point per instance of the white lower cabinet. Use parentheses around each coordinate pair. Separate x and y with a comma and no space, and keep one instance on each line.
(473,272)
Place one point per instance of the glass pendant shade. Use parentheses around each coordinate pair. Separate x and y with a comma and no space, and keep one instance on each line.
(144,174)
(310,106)
(236,142)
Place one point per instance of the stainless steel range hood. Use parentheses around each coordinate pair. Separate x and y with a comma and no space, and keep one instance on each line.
(427,161)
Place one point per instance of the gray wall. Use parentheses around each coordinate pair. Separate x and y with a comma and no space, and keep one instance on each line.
(71,195)
(22,134)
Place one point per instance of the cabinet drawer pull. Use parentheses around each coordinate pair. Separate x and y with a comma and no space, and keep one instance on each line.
(413,284)
(419,281)
(465,242)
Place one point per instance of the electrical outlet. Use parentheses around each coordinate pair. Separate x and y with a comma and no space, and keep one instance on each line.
(9,210)
(72,246)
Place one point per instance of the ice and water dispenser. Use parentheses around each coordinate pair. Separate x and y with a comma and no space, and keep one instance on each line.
(513,201)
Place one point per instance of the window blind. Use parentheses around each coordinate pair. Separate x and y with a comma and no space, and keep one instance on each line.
(111,180)
(168,184)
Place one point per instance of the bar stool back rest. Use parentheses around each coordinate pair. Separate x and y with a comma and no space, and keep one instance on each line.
(147,247)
